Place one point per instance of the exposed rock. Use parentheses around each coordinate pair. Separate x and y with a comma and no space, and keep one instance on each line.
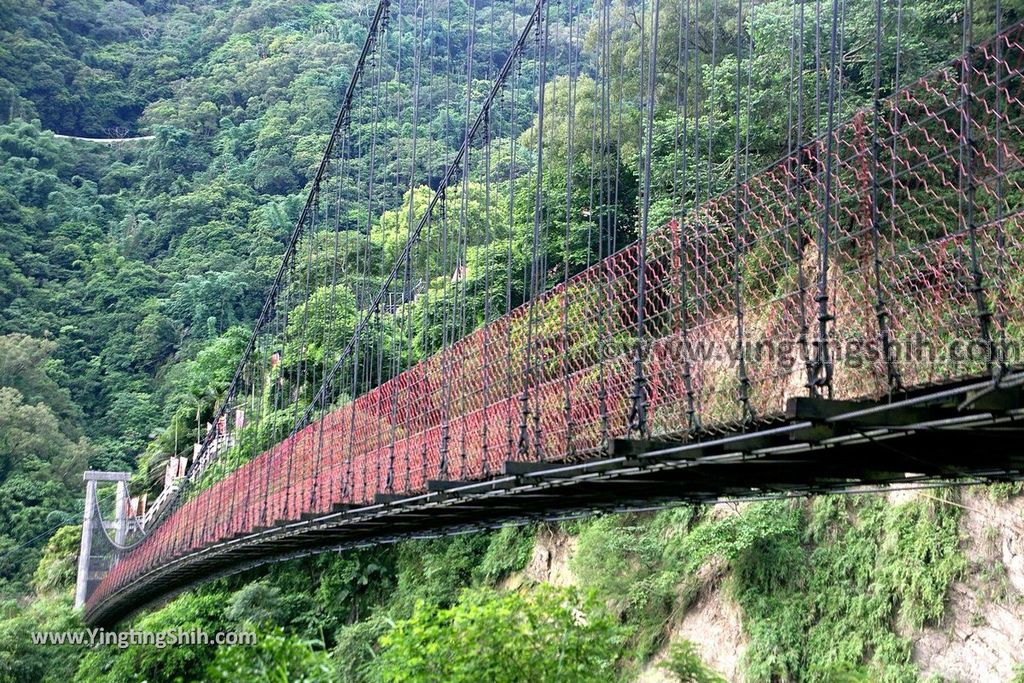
(898,495)
(714,623)
(980,640)
(552,552)
(983,634)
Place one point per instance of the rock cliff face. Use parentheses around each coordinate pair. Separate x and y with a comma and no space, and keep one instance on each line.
(980,638)
(714,623)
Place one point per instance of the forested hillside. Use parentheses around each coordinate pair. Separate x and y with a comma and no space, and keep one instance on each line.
(130,275)
(127,266)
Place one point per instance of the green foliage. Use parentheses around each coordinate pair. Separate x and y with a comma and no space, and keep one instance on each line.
(41,455)
(352,584)
(508,551)
(435,571)
(276,658)
(740,537)
(1003,491)
(357,646)
(684,662)
(201,610)
(921,544)
(23,661)
(629,561)
(29,367)
(58,566)
(76,68)
(822,586)
(818,611)
(257,603)
(546,635)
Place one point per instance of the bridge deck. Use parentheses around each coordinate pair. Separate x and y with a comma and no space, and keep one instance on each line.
(970,432)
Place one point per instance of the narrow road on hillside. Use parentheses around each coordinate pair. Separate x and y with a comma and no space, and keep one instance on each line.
(103,141)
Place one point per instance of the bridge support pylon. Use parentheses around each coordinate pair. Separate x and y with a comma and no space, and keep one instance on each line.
(91,569)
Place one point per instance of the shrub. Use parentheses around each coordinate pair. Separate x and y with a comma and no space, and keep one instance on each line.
(685,664)
(547,636)
(276,658)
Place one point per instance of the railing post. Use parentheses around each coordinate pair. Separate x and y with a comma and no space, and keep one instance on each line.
(120,517)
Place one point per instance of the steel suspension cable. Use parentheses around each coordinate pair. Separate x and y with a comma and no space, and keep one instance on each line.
(893,379)
(566,345)
(449,175)
(693,427)
(535,261)
(639,396)
(740,237)
(604,226)
(1000,319)
(968,190)
(511,450)
(822,361)
(486,342)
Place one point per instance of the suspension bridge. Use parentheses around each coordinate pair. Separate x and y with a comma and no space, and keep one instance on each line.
(527,283)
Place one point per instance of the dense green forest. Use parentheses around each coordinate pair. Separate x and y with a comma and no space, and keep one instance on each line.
(130,275)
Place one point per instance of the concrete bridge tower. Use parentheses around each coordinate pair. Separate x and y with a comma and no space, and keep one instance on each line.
(93,567)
